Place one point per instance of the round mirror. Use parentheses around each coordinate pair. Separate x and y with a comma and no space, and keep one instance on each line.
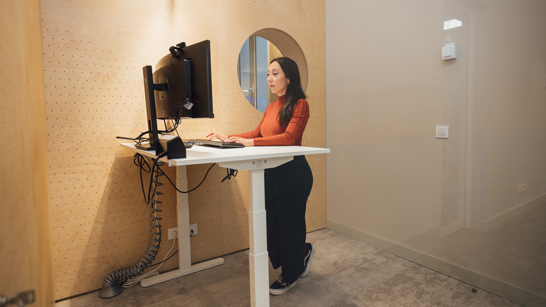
(252,66)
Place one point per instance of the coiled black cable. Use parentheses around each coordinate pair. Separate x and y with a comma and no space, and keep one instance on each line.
(112,284)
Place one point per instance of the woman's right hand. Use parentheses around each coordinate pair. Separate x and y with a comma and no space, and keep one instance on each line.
(217,135)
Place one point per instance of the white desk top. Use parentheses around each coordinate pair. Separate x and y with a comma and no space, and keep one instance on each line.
(204,154)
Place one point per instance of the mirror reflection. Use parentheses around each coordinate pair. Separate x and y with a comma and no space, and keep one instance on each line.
(254,59)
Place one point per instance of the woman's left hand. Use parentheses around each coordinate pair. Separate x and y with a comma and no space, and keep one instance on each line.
(246,142)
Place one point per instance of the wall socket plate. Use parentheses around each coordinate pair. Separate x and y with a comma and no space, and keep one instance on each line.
(442,132)
(522,188)
(173,233)
(194,228)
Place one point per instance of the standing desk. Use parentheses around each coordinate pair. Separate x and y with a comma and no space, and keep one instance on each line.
(252,159)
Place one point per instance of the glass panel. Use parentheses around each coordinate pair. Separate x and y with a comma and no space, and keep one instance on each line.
(497,234)
(244,71)
(262,63)
(472,206)
(455,101)
(254,59)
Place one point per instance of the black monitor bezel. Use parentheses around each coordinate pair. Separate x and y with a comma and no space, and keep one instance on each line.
(153,134)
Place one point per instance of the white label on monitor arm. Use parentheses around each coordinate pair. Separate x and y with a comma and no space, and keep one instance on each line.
(188,105)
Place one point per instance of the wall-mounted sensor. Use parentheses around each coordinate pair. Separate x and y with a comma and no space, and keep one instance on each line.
(442,132)
(449,51)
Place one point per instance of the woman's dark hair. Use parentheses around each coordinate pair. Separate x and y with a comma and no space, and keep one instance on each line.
(294,92)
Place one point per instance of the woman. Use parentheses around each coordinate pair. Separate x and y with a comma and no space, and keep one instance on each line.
(288,186)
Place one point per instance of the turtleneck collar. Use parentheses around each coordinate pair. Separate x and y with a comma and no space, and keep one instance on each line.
(281,99)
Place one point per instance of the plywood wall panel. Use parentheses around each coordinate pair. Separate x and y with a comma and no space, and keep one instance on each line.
(93,58)
(25,236)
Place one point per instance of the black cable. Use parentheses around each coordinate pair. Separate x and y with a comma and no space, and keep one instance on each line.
(191,189)
(124,138)
(168,86)
(152,176)
(176,130)
(180,111)
(140,138)
(230,173)
(140,161)
(163,260)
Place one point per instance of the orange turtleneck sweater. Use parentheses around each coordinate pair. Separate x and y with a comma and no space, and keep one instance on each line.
(270,133)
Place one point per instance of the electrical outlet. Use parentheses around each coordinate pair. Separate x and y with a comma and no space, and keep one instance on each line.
(173,233)
(522,188)
(194,228)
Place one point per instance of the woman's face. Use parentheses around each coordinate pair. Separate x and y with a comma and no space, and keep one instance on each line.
(276,79)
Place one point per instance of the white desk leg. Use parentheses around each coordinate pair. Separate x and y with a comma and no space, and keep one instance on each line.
(184,251)
(259,262)
(259,268)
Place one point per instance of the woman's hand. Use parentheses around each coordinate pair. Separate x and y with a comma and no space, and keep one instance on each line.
(246,142)
(217,135)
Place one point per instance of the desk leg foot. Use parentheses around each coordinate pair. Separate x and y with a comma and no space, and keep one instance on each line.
(179,273)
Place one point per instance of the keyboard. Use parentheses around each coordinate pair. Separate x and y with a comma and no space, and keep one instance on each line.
(217,144)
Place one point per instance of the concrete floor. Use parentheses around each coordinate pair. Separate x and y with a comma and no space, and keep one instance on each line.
(344,272)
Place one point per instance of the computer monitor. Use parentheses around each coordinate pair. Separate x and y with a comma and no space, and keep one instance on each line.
(180,87)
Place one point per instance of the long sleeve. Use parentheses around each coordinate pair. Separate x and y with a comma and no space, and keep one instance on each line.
(270,133)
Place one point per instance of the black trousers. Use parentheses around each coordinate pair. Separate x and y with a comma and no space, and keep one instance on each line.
(287,188)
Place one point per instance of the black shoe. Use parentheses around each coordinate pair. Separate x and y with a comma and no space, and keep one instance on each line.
(307,260)
(279,287)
